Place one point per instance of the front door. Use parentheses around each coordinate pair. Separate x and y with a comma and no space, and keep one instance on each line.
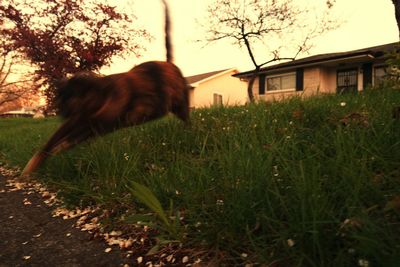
(347,81)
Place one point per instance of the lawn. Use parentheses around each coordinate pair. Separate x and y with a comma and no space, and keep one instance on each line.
(312,182)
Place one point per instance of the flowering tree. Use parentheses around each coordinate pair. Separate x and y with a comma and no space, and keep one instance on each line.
(62,37)
(265,28)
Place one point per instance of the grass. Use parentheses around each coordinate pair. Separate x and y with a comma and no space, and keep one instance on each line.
(310,182)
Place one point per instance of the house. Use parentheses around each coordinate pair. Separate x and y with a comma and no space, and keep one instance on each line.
(20,101)
(341,72)
(216,88)
(23,112)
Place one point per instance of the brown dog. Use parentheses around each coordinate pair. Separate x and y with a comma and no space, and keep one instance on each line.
(93,105)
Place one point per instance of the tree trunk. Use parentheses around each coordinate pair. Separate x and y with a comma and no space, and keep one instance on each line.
(250,88)
(251,84)
(396,4)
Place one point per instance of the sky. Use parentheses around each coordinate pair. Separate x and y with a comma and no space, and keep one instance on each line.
(365,23)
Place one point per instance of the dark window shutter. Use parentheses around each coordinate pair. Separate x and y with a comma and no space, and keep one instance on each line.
(300,79)
(261,85)
(367,74)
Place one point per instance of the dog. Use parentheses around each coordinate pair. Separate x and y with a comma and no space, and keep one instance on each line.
(92,105)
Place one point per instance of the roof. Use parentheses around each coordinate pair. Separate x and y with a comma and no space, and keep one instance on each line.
(200,77)
(371,52)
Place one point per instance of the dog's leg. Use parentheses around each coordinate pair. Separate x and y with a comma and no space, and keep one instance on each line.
(182,112)
(40,156)
(181,109)
(143,112)
(68,135)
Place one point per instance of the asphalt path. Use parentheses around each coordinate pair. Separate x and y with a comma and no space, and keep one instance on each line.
(31,236)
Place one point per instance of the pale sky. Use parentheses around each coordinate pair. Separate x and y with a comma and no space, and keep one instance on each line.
(367,23)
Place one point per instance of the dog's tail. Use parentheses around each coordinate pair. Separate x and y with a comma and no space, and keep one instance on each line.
(168,45)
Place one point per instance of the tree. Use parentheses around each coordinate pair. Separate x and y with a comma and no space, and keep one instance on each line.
(396,4)
(269,26)
(12,89)
(63,37)
(393,61)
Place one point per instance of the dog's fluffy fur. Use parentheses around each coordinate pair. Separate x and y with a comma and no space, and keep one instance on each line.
(93,105)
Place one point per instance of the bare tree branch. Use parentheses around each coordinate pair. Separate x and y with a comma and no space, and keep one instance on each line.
(14,90)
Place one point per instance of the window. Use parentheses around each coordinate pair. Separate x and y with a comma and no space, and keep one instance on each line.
(379,74)
(347,81)
(217,99)
(281,82)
